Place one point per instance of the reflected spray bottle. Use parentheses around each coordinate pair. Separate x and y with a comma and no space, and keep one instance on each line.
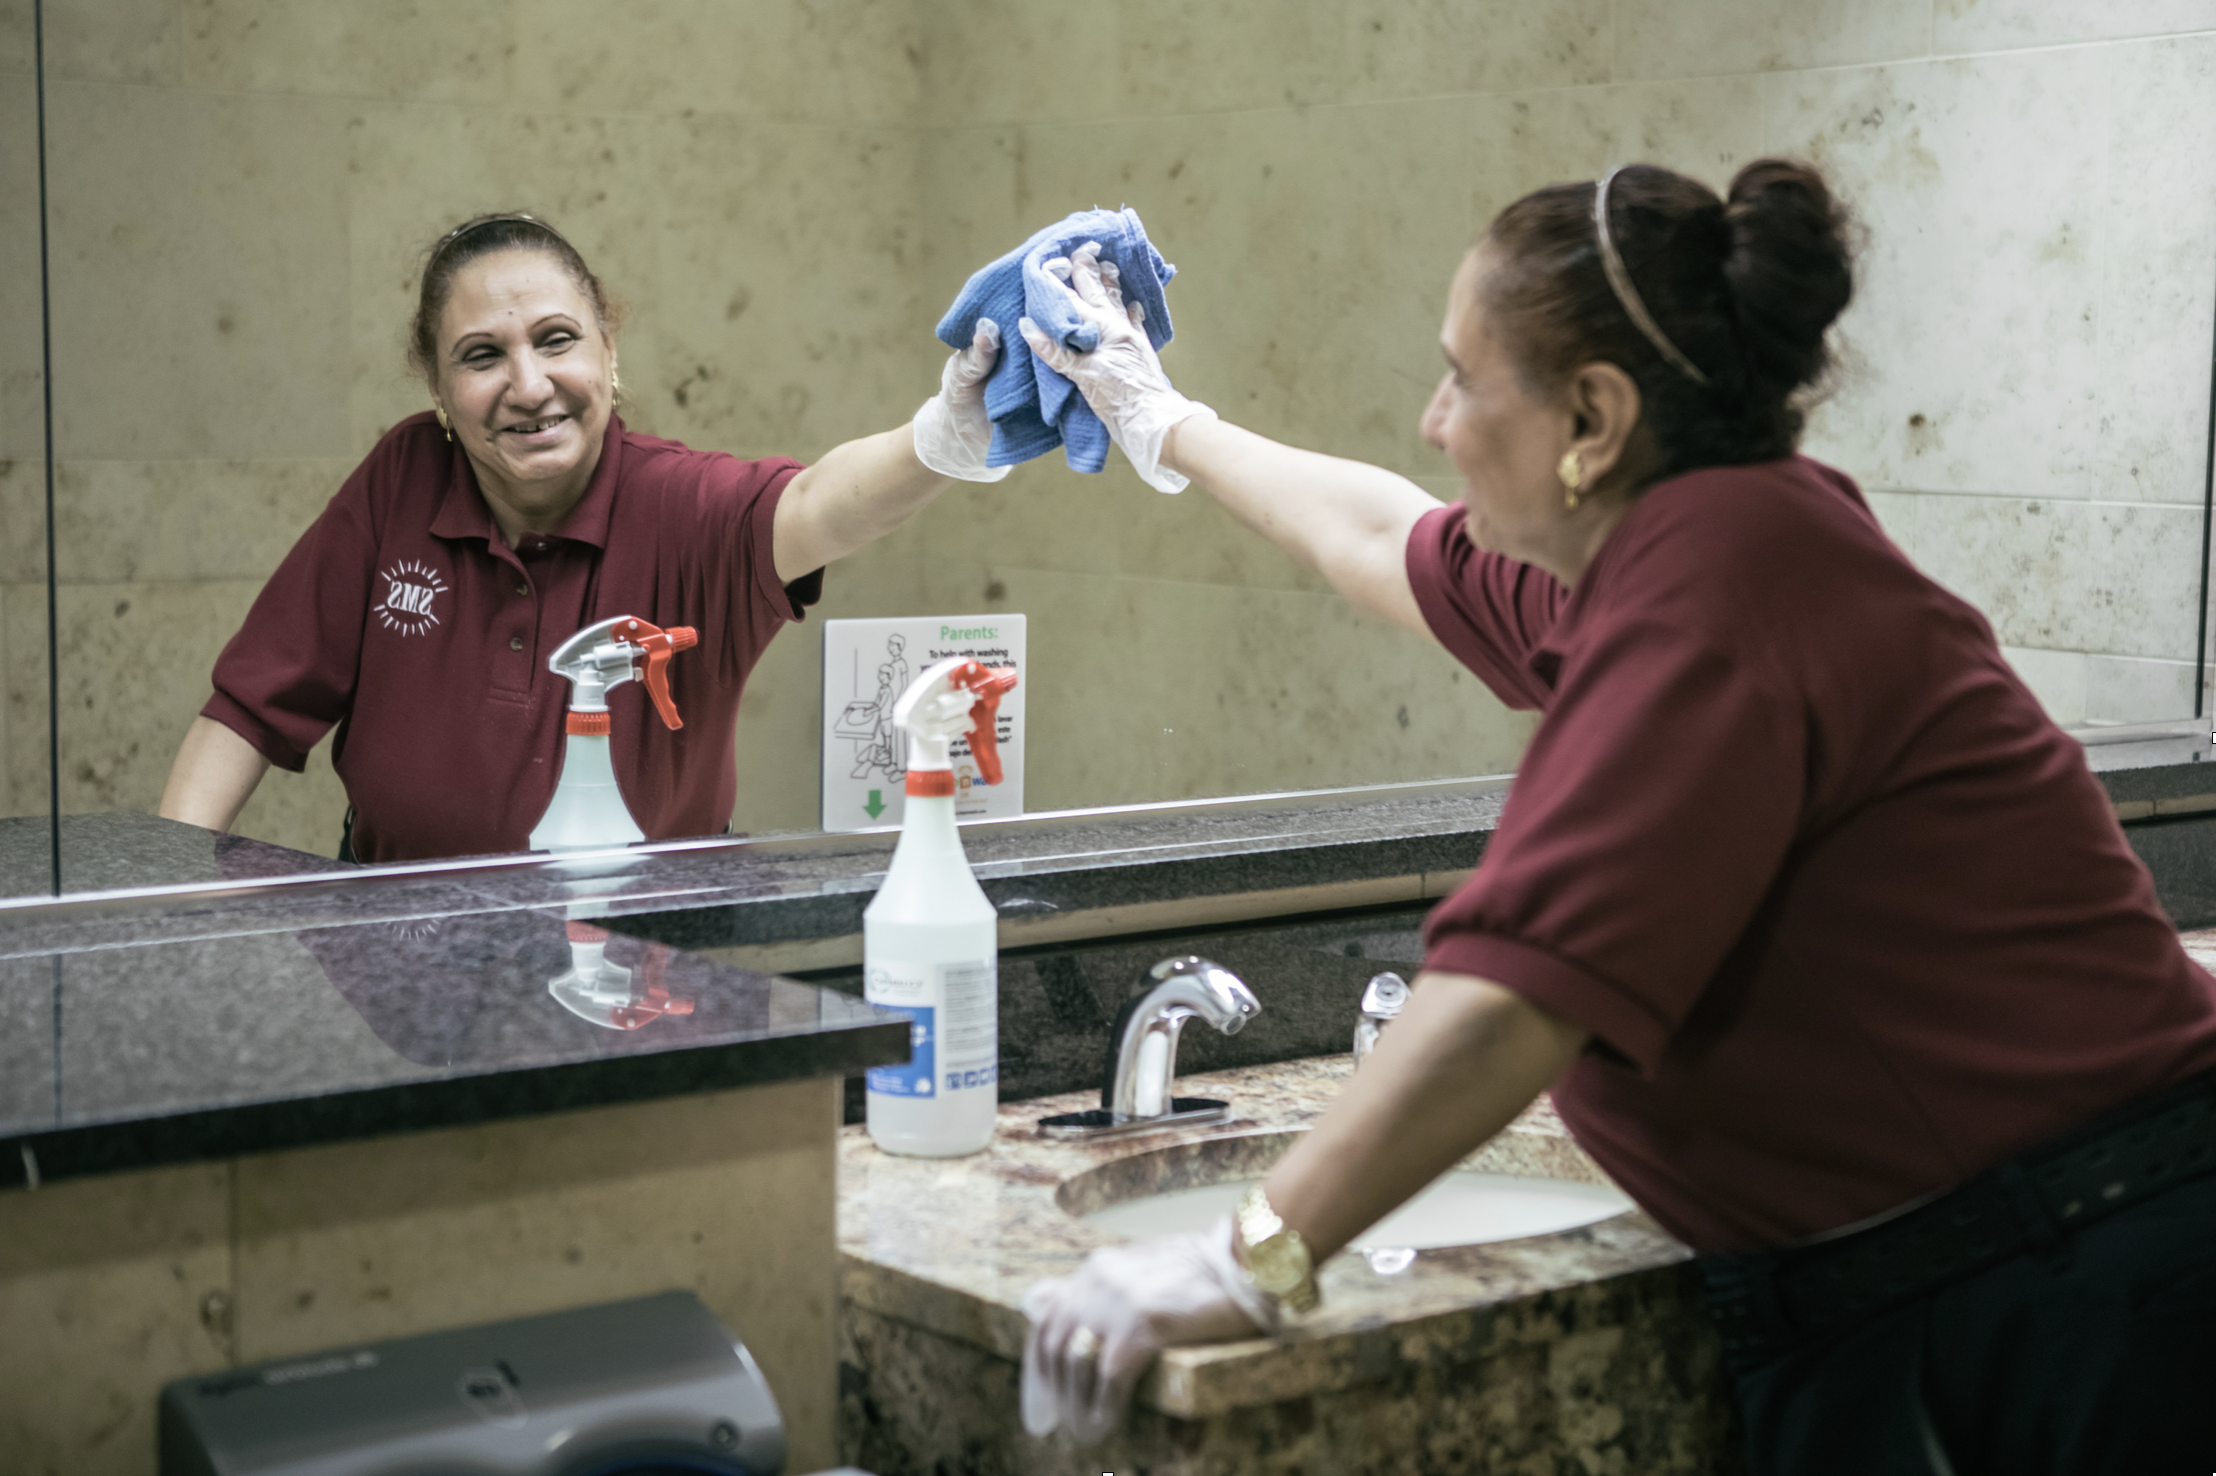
(930,939)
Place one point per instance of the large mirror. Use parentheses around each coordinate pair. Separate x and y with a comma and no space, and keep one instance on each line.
(785,194)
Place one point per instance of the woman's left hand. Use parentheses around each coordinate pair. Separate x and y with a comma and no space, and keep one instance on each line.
(952,430)
(1093,1334)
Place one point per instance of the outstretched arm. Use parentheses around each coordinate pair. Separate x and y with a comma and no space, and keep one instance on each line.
(1347,520)
(214,775)
(862,490)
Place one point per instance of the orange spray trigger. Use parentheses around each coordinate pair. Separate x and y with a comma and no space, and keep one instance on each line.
(659,646)
(988,684)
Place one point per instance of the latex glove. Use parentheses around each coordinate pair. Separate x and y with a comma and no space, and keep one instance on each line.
(1093,1334)
(952,430)
(1122,379)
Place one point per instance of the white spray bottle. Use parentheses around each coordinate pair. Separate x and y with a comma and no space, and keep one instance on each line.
(587,810)
(930,939)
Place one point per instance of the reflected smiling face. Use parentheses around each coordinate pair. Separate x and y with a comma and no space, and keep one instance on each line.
(1505,440)
(526,373)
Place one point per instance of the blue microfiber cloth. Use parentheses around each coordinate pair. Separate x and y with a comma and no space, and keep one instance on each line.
(1034,409)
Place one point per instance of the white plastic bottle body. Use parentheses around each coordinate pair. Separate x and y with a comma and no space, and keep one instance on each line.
(930,947)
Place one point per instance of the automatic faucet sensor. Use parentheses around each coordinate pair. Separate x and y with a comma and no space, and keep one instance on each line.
(1137,1094)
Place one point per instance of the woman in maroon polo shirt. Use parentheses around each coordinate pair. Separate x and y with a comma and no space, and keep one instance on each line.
(1823,936)
(418,612)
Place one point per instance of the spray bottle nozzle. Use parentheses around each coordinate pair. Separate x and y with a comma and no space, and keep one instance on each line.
(957,698)
(606,654)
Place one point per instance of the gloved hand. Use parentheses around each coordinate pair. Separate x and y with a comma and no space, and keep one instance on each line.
(1093,1334)
(1122,379)
(952,430)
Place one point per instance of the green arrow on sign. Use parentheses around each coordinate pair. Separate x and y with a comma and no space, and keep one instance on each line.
(876,805)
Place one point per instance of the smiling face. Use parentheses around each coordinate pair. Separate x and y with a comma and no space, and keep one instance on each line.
(526,374)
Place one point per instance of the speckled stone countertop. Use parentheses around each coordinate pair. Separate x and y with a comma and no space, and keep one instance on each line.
(951,1244)
(165,882)
(128,1057)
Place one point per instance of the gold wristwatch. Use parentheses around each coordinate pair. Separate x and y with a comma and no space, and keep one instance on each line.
(1277,1259)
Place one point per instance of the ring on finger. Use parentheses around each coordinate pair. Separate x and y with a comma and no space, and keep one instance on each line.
(1084,1345)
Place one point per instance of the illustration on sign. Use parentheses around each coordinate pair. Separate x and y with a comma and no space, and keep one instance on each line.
(867,664)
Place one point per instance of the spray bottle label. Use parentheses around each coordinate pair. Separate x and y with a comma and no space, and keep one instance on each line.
(954,1032)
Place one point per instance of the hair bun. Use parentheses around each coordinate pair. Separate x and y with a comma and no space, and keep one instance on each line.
(1790,267)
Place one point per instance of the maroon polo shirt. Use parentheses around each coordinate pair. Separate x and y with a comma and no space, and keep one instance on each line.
(1848,918)
(405,618)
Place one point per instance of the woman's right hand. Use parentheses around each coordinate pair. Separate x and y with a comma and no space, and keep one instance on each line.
(1121,379)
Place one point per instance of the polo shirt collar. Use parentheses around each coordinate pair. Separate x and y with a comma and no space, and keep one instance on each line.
(463,512)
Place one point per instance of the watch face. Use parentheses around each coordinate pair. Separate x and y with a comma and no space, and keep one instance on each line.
(1278,1264)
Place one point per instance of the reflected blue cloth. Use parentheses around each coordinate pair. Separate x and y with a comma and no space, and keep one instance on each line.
(1034,409)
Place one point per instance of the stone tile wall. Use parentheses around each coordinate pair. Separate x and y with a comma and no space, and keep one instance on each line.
(787,194)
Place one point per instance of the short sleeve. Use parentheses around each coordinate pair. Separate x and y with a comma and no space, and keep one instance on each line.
(1490,612)
(727,545)
(289,674)
(1647,824)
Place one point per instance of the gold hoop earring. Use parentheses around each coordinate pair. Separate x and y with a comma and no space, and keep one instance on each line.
(444,424)
(1572,472)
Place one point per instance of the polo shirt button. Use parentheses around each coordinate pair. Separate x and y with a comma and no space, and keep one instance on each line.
(523,589)
(515,643)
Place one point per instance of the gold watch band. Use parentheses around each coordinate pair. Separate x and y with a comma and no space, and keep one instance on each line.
(1277,1259)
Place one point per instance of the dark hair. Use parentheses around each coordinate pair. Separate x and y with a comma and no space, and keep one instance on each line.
(1745,287)
(483,235)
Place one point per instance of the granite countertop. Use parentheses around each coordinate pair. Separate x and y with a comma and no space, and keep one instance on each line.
(794,902)
(127,1057)
(950,1245)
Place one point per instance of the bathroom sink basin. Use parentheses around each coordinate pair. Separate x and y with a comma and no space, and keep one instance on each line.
(1461,1208)
(1505,1192)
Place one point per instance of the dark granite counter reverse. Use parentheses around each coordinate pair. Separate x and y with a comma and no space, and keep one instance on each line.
(794,902)
(127,1057)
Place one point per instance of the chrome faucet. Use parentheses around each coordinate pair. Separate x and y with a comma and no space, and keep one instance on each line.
(1137,1094)
(1382,1001)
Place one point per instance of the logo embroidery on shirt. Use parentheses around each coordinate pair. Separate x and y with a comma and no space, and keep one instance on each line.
(410,591)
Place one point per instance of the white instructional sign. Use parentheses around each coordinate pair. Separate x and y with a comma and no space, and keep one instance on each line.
(867,664)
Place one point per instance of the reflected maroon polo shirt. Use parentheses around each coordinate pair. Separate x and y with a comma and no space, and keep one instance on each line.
(1848,917)
(405,618)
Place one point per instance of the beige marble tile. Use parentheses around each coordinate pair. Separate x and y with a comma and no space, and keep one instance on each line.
(1175,58)
(455,51)
(112,40)
(22,521)
(2122,689)
(729,1195)
(1521,143)
(2071,576)
(124,521)
(1043,516)
(200,276)
(135,662)
(1315,326)
(109,1288)
(1007,60)
(414,172)
(2056,678)
(790,315)
(969,182)
(1996,25)
(22,430)
(16,38)
(23,700)
(1189,538)
(1273,689)
(2157,294)
(833,61)
(1971,350)
(1668,38)
(1412,48)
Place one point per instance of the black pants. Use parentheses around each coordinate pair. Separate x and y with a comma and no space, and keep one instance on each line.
(2096,1358)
